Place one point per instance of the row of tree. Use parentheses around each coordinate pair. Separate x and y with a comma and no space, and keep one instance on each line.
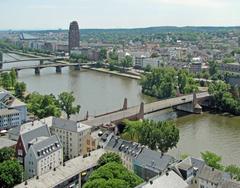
(167,82)
(50,105)
(162,135)
(112,174)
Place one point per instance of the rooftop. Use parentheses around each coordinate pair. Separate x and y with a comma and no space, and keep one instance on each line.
(4,142)
(65,124)
(169,180)
(62,173)
(5,111)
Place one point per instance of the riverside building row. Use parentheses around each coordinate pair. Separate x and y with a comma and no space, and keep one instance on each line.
(156,169)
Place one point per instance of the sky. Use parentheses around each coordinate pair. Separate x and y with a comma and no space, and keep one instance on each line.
(55,14)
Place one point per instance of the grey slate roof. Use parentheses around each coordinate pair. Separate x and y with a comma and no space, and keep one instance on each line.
(213,175)
(4,142)
(119,145)
(154,160)
(45,146)
(30,135)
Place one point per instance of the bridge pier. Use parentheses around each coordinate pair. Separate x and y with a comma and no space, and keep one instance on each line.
(192,107)
(1,64)
(41,62)
(77,67)
(125,105)
(58,69)
(37,71)
(140,115)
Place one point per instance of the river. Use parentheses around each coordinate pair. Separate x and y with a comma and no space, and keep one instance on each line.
(99,93)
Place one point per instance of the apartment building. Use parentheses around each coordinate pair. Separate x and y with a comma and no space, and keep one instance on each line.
(44,154)
(74,136)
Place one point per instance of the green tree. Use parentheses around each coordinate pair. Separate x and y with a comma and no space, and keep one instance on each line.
(66,101)
(43,105)
(109,157)
(112,175)
(126,62)
(213,68)
(6,80)
(102,54)
(11,173)
(131,130)
(20,88)
(234,171)
(212,160)
(162,135)
(6,154)
(13,77)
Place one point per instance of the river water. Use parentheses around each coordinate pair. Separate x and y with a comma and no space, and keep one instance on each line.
(99,93)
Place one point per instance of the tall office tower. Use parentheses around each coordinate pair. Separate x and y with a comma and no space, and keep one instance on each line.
(73,36)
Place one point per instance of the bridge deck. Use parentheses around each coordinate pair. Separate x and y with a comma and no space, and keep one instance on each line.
(148,108)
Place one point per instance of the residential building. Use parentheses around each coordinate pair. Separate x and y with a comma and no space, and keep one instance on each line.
(13,112)
(25,139)
(73,36)
(143,62)
(150,163)
(70,174)
(144,162)
(74,136)
(229,67)
(44,154)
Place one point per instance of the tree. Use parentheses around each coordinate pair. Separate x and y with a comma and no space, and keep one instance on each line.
(234,171)
(112,175)
(102,54)
(6,154)
(212,160)
(66,101)
(43,105)
(127,62)
(213,68)
(109,157)
(20,88)
(6,80)
(162,135)
(13,77)
(11,173)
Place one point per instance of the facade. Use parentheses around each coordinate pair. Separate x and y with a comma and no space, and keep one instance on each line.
(73,36)
(9,118)
(13,112)
(91,54)
(75,137)
(25,139)
(143,62)
(44,154)
(230,67)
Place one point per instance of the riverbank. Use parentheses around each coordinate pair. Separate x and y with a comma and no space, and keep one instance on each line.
(28,54)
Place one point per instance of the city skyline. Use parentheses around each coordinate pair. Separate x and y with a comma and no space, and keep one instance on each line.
(29,15)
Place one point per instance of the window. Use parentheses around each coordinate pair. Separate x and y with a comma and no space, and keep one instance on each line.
(201,186)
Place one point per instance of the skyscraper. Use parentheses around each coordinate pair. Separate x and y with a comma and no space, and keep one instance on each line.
(73,35)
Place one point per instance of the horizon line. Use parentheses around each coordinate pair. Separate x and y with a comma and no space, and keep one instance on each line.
(123,28)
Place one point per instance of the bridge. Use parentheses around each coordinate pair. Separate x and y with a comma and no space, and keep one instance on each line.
(189,103)
(37,68)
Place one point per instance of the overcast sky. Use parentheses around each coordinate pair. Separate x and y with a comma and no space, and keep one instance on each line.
(54,14)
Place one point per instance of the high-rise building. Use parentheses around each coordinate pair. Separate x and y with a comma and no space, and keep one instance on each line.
(73,35)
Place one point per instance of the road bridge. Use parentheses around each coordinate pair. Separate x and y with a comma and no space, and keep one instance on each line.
(189,103)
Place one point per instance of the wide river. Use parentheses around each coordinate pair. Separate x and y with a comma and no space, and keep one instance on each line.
(99,93)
